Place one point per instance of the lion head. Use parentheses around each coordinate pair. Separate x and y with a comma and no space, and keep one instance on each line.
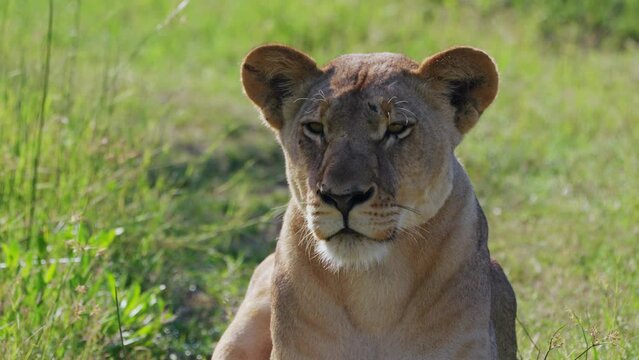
(368,139)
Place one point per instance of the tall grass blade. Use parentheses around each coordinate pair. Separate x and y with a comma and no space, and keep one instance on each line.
(41,116)
(117,308)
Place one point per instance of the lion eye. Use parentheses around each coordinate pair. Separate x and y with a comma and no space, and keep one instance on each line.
(315,127)
(396,128)
(399,130)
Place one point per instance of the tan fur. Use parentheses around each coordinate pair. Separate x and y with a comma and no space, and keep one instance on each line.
(383,252)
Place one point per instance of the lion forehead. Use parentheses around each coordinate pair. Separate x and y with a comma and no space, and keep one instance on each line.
(354,72)
(382,60)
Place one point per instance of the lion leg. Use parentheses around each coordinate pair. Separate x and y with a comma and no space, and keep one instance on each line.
(502,313)
(248,337)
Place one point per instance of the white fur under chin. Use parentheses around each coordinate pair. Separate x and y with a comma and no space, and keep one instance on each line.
(356,254)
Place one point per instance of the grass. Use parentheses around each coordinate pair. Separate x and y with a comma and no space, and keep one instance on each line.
(149,175)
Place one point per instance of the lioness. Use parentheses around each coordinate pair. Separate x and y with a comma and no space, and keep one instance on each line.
(383,251)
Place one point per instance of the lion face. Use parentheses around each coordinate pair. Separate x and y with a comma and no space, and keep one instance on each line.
(368,140)
(361,160)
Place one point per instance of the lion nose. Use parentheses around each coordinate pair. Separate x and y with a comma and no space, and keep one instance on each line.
(345,202)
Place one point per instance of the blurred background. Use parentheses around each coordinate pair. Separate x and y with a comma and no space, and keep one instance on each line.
(132,166)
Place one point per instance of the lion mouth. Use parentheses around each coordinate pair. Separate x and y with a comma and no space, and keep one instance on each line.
(353,235)
(347,232)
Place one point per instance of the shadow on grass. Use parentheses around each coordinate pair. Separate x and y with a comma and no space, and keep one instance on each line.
(222,218)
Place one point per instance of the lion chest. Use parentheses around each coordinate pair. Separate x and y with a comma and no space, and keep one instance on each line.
(376,318)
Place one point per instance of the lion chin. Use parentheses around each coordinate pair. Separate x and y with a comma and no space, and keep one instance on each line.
(352,251)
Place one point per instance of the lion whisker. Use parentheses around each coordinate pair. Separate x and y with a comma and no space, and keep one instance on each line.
(406,119)
(405,109)
(413,237)
(413,210)
(322,96)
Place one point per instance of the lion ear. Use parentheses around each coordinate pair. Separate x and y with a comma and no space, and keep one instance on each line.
(275,74)
(467,77)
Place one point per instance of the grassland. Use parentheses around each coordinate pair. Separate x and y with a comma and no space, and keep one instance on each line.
(130,161)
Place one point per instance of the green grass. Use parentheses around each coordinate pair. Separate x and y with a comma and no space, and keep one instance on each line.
(155,177)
